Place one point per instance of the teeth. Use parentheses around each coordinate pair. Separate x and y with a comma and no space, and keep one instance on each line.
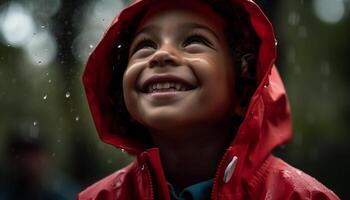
(166,86)
(178,86)
(150,88)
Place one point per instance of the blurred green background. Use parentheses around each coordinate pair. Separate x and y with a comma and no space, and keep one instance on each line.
(44,45)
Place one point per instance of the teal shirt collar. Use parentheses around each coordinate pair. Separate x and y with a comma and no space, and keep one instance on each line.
(198,191)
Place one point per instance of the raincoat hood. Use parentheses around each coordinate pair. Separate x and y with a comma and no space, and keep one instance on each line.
(267,122)
(247,169)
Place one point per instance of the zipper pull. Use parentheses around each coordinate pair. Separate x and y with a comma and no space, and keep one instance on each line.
(230,169)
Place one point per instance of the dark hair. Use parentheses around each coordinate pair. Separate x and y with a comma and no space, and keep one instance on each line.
(243,41)
(130,128)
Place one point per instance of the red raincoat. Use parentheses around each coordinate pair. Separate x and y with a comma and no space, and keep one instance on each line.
(248,170)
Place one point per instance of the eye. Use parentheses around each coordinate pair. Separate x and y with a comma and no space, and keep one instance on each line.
(144,44)
(196,39)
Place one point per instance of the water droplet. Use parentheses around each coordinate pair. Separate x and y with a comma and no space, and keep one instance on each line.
(91,46)
(297,69)
(325,68)
(43,26)
(50,81)
(298,138)
(299,172)
(77,118)
(117,184)
(302,31)
(47,73)
(314,154)
(276,42)
(291,55)
(34,132)
(119,46)
(325,87)
(294,18)
(35,123)
(8,45)
(45,97)
(67,94)
(122,150)
(286,173)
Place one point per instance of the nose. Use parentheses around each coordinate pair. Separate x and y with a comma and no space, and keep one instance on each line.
(165,56)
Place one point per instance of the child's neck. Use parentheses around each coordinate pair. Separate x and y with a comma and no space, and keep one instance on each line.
(191,155)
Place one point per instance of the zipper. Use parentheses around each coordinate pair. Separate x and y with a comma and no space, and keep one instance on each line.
(217,174)
(148,170)
(150,181)
(144,169)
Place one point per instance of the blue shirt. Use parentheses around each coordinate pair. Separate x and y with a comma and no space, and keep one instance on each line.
(198,191)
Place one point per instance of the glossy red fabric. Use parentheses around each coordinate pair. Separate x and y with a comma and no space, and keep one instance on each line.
(267,124)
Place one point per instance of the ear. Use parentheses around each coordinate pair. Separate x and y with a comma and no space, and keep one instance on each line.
(245,84)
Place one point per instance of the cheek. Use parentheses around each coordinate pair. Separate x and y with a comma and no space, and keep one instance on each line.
(217,75)
(215,70)
(130,78)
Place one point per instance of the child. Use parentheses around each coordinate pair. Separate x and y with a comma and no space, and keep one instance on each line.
(191,89)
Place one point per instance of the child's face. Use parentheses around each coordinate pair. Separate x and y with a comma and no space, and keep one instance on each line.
(180,70)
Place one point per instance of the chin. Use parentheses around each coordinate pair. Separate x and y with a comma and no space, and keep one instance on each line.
(163,122)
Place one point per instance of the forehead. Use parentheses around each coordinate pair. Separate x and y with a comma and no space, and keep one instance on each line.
(179,13)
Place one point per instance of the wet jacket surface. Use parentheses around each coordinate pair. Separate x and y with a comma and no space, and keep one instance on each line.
(247,170)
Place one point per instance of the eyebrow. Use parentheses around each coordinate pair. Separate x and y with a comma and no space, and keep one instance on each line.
(154,28)
(199,26)
(147,29)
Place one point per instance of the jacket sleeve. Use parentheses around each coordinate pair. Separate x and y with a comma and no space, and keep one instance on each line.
(312,195)
(278,180)
(288,183)
(105,189)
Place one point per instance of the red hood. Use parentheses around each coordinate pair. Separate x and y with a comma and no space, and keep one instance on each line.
(266,125)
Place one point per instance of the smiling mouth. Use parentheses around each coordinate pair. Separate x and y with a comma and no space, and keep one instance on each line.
(165,84)
(167,87)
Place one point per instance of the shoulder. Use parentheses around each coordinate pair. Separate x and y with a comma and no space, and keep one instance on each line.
(107,187)
(287,182)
